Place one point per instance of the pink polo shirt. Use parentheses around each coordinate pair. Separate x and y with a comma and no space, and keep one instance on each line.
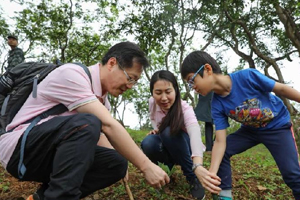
(69,85)
(190,124)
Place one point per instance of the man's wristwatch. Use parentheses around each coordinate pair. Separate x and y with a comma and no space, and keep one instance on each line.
(195,166)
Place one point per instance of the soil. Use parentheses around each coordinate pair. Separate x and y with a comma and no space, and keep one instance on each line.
(12,189)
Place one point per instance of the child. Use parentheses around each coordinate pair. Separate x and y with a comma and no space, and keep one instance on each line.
(246,97)
(176,138)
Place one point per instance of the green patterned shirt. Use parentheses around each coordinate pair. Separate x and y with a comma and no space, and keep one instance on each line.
(15,57)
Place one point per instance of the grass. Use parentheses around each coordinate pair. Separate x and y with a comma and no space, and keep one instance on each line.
(255,176)
(4,185)
(256,171)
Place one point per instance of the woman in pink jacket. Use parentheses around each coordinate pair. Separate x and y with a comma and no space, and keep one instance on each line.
(176,138)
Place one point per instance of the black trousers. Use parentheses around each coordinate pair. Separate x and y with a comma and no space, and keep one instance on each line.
(209,132)
(63,154)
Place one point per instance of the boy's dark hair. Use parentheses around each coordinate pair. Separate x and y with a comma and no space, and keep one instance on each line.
(126,53)
(174,118)
(195,60)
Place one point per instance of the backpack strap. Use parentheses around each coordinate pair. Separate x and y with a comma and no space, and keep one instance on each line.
(4,105)
(87,71)
(34,87)
(56,110)
(36,78)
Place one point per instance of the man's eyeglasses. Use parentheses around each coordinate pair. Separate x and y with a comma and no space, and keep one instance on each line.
(191,81)
(130,80)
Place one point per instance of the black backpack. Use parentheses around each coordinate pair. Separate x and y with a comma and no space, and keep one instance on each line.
(15,87)
(17,84)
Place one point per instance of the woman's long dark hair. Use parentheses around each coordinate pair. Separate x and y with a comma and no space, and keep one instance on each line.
(174,118)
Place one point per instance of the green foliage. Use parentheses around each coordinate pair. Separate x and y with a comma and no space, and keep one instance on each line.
(166,168)
(140,97)
(3,26)
(233,126)
(118,191)
(4,185)
(62,30)
(4,31)
(138,135)
(164,29)
(86,48)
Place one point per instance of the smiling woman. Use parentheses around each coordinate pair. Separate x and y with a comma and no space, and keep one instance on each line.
(164,95)
(176,136)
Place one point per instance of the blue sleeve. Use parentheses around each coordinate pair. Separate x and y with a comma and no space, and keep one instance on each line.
(218,114)
(260,81)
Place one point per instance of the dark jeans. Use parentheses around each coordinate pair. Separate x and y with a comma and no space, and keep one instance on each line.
(170,150)
(209,133)
(63,154)
(279,142)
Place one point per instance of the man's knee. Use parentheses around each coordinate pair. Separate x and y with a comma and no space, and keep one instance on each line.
(82,127)
(123,166)
(119,166)
(89,122)
(89,119)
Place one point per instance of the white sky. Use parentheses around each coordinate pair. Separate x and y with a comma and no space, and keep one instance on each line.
(290,70)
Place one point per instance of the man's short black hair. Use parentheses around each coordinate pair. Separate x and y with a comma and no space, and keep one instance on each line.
(126,53)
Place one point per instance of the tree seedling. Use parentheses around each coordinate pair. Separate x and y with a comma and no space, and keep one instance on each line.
(166,168)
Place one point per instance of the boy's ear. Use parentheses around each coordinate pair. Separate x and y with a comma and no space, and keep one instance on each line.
(208,69)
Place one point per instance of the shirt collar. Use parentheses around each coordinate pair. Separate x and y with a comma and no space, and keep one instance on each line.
(96,85)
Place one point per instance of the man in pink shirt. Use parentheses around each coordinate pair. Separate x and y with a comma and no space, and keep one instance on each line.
(61,151)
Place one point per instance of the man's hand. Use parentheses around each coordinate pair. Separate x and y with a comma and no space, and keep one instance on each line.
(155,176)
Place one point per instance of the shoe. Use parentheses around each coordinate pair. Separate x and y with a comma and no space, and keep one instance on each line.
(34,196)
(39,194)
(197,190)
(217,197)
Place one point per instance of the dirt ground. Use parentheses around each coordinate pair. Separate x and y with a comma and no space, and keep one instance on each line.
(12,189)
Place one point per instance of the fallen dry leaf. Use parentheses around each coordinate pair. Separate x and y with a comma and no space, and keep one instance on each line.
(261,188)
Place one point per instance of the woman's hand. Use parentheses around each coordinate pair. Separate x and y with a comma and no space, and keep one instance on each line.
(208,180)
(153,132)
